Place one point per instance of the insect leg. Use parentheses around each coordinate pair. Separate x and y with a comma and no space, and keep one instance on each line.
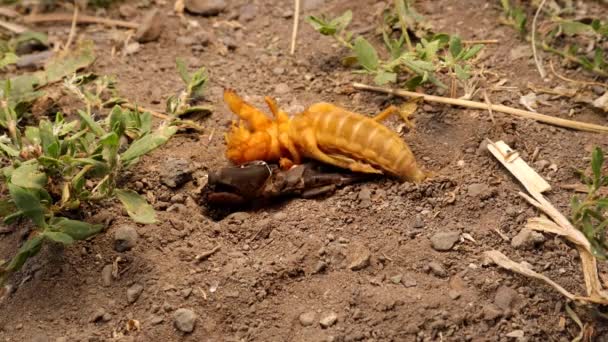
(253,116)
(385,113)
(279,115)
(310,142)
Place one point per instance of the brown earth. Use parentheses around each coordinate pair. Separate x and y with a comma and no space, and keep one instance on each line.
(256,287)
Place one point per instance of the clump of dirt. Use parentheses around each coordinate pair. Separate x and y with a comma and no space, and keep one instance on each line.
(377,261)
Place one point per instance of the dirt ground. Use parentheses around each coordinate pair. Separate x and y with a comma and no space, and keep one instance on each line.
(283,269)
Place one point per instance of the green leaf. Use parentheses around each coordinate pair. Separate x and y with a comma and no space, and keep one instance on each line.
(366,54)
(597,160)
(384,77)
(94,126)
(342,21)
(62,238)
(182,70)
(462,73)
(148,143)
(30,248)
(137,207)
(27,175)
(9,150)
(28,201)
(7,59)
(472,52)
(77,230)
(455,46)
(6,208)
(571,28)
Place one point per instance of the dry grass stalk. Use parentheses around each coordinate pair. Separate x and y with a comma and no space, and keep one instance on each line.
(557,224)
(583,126)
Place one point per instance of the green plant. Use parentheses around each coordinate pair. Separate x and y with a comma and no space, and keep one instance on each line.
(195,85)
(590,214)
(423,62)
(53,168)
(567,38)
(9,47)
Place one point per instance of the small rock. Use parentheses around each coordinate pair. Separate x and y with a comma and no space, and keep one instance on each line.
(396,279)
(409,282)
(418,222)
(127,11)
(437,269)
(328,320)
(505,298)
(125,238)
(319,267)
(454,294)
(307,318)
(541,165)
(248,12)
(359,257)
(156,320)
(526,239)
(185,40)
(516,334)
(280,71)
(106,275)
(205,7)
(131,48)
(134,292)
(175,172)
(184,320)
(97,315)
(444,241)
(365,196)
(282,88)
(106,317)
(150,27)
(598,90)
(491,312)
(477,189)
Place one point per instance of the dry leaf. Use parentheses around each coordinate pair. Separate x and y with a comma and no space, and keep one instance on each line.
(602,102)
(529,101)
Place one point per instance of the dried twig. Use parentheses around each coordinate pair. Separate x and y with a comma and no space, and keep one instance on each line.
(82,19)
(583,126)
(537,61)
(15,28)
(564,78)
(207,254)
(296,22)
(66,48)
(559,224)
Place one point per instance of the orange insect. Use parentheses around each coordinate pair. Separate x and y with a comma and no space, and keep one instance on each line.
(324,132)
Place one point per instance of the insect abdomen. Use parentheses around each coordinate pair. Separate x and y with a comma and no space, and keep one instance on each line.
(363,139)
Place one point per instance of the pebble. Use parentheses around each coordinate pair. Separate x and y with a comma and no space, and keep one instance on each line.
(396,279)
(205,7)
(437,269)
(516,334)
(359,257)
(184,320)
(175,172)
(248,12)
(505,298)
(319,267)
(134,292)
(444,241)
(477,189)
(106,275)
(307,318)
(150,27)
(185,40)
(125,238)
(598,90)
(418,222)
(127,11)
(156,320)
(409,282)
(541,165)
(328,320)
(454,294)
(527,239)
(281,88)
(491,312)
(365,196)
(97,315)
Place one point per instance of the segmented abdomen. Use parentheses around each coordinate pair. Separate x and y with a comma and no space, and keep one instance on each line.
(361,138)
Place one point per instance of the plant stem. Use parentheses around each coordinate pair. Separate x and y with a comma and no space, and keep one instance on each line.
(401,14)
(571,58)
